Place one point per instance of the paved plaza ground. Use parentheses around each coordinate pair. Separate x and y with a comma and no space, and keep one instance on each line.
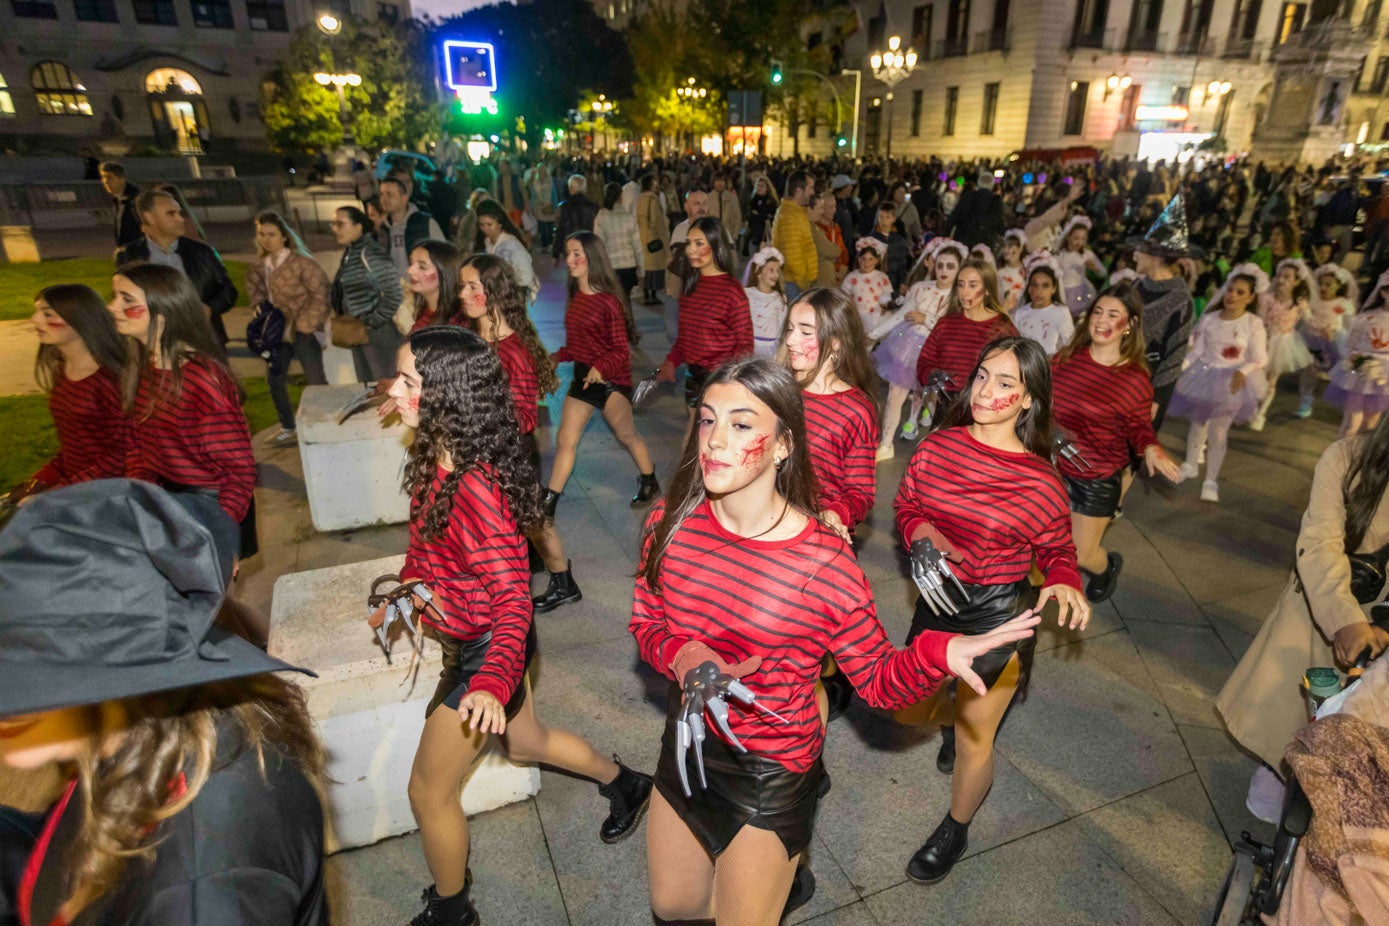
(1117,790)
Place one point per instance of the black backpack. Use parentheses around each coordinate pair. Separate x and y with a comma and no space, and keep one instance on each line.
(266,331)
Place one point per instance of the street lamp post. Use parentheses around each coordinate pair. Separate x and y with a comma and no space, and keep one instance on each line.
(602,109)
(690,92)
(1219,90)
(891,67)
(330,25)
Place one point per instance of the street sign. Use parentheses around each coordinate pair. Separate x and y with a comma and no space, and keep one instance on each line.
(745,108)
(470,66)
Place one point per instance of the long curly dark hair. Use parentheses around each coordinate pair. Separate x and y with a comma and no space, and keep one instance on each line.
(1367,478)
(774,386)
(1033,426)
(466,412)
(506,301)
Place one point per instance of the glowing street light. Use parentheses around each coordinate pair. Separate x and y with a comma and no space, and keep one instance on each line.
(329,23)
(892,67)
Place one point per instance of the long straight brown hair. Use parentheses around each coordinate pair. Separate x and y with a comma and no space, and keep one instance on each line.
(989,275)
(774,386)
(85,312)
(1132,346)
(602,278)
(1366,480)
(836,322)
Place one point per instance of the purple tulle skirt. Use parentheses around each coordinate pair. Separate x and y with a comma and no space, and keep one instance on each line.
(896,356)
(1203,393)
(1356,392)
(1325,351)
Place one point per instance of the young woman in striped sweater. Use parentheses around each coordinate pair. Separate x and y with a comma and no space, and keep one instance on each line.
(1102,399)
(474,489)
(737,570)
(972,318)
(982,487)
(599,333)
(79,365)
(184,403)
(715,320)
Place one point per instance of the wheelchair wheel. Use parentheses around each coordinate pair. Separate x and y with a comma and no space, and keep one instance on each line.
(1232,904)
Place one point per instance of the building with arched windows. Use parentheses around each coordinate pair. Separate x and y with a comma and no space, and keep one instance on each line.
(175,76)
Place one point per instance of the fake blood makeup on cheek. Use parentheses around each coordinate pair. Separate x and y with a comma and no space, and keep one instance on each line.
(754,452)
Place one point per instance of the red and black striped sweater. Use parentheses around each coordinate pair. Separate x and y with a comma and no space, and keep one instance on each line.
(998,509)
(790,602)
(201,440)
(93,431)
(715,323)
(841,431)
(954,345)
(1105,411)
(522,380)
(596,334)
(478,573)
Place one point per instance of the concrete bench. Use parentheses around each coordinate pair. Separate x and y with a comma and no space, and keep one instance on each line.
(369,714)
(352,471)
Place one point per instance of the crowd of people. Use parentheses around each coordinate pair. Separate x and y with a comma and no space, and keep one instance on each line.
(1021,331)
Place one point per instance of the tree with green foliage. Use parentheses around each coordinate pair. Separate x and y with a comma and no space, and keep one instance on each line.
(392,108)
(666,50)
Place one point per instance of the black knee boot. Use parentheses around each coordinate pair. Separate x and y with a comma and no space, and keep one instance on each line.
(1102,585)
(648,490)
(933,861)
(454,910)
(562,590)
(802,889)
(549,500)
(945,759)
(627,796)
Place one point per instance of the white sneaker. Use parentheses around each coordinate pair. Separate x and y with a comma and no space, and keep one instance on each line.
(909,430)
(1257,424)
(1265,797)
(1210,492)
(287,437)
(925,416)
(885,452)
(1189,470)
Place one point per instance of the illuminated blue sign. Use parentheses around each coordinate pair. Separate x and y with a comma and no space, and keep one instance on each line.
(470,66)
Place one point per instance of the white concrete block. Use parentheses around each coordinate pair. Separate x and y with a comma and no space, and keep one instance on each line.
(338,366)
(352,471)
(370,713)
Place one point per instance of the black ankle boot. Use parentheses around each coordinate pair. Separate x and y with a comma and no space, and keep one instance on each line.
(562,590)
(648,490)
(1101,586)
(802,889)
(549,499)
(945,759)
(933,861)
(455,910)
(839,693)
(627,796)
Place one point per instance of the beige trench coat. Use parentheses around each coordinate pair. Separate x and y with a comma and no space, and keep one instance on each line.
(652,224)
(1262,703)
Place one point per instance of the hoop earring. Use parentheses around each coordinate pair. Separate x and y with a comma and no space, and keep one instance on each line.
(779,464)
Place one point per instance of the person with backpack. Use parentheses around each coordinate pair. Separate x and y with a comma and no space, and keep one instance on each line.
(289,291)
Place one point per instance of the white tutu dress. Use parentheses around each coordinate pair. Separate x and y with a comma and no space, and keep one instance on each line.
(900,344)
(1360,382)
(1219,349)
(1287,351)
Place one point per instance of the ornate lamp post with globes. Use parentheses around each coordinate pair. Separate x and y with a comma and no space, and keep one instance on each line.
(330,25)
(891,67)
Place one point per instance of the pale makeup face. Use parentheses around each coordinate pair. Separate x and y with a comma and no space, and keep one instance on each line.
(33,741)
(471,293)
(129,309)
(1041,290)
(947,266)
(1077,239)
(491,229)
(423,275)
(405,389)
(50,327)
(1012,251)
(997,395)
(1238,295)
(737,439)
(575,260)
(1109,321)
(867,260)
(270,238)
(1285,279)
(969,288)
(1326,287)
(768,275)
(697,250)
(802,338)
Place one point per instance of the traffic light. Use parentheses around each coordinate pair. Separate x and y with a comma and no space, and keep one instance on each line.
(840,141)
(777,75)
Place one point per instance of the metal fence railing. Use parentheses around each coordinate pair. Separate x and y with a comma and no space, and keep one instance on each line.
(79,204)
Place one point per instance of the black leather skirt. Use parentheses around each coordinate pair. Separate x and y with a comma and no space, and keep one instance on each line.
(595,394)
(462,660)
(990,606)
(744,790)
(1095,498)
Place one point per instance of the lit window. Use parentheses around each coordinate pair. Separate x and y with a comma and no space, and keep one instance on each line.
(57,90)
(6,101)
(165,80)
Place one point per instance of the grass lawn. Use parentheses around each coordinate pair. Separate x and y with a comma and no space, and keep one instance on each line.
(20,283)
(30,440)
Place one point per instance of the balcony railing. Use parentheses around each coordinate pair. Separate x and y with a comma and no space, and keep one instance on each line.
(1238,47)
(955,46)
(992,40)
(1087,37)
(1192,43)
(1143,40)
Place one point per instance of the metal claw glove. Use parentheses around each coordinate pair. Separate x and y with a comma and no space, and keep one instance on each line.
(398,604)
(931,572)
(706,688)
(1064,449)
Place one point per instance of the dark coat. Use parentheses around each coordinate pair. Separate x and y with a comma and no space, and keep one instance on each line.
(978,218)
(249,849)
(204,268)
(127,221)
(575,214)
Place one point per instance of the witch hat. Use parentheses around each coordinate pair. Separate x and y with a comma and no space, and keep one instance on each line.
(1168,238)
